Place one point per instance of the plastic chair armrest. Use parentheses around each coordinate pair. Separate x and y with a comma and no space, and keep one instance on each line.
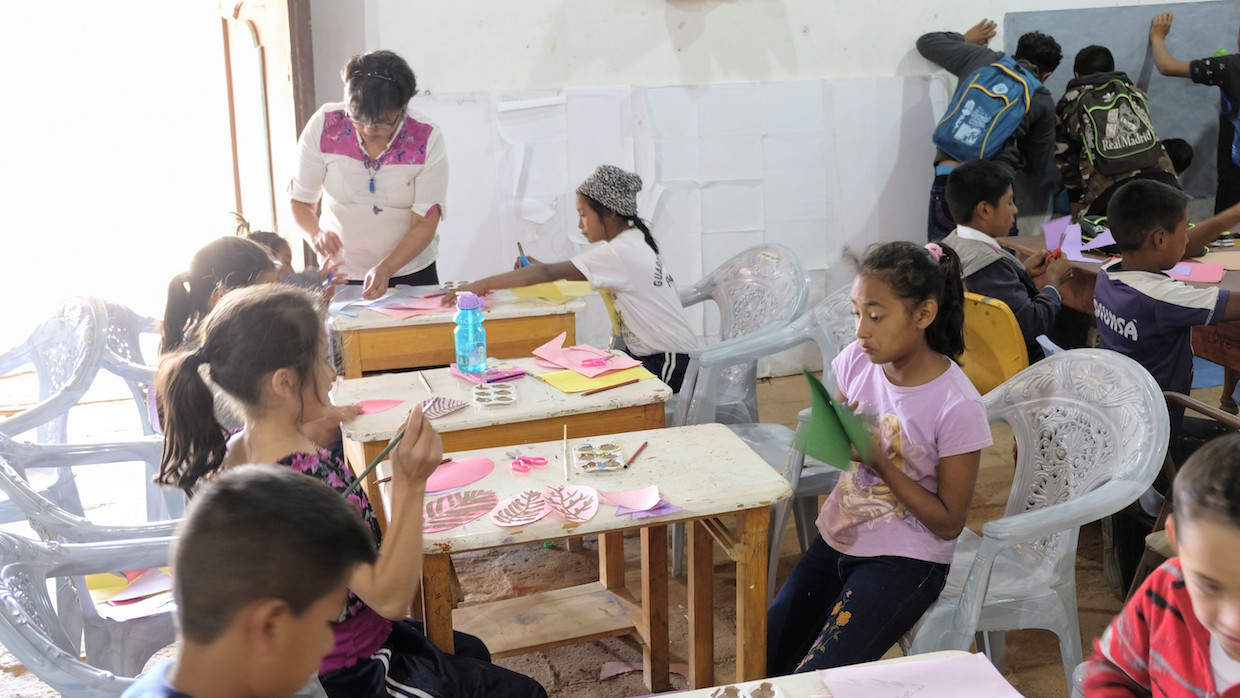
(1089,507)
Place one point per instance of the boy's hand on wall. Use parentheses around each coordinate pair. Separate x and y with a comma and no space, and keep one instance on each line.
(1160,26)
(981,33)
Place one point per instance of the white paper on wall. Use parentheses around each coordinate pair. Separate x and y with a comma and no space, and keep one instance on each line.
(732,206)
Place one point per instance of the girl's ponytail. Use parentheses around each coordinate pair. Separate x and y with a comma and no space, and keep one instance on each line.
(177,313)
(641,225)
(195,442)
(917,274)
(946,334)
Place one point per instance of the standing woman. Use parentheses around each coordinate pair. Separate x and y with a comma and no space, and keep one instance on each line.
(381,171)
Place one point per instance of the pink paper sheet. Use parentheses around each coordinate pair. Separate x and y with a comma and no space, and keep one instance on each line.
(662,509)
(571,357)
(373,406)
(152,581)
(458,473)
(402,313)
(428,304)
(1200,272)
(639,499)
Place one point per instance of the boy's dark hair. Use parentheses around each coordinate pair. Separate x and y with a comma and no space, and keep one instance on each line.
(1207,486)
(272,241)
(1094,59)
(603,213)
(262,532)
(914,275)
(226,263)
(1040,50)
(376,83)
(250,333)
(1181,153)
(1142,206)
(973,182)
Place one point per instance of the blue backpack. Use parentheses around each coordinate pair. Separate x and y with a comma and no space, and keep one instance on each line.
(988,106)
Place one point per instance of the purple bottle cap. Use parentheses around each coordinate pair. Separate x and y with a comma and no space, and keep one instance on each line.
(469,301)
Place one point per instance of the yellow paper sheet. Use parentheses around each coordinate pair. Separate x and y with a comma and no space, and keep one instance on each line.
(573,382)
(555,291)
(1227,256)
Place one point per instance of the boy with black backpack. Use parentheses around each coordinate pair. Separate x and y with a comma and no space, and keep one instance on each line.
(1103,131)
(1000,111)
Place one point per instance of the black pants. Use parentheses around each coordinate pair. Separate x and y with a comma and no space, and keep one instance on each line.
(422,277)
(666,366)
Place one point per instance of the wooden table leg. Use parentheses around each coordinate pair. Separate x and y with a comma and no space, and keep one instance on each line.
(611,559)
(751,573)
(701,607)
(655,657)
(437,600)
(351,353)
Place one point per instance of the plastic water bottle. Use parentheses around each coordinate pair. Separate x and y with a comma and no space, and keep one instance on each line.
(471,338)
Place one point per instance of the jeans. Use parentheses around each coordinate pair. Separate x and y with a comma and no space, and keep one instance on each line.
(940,223)
(836,609)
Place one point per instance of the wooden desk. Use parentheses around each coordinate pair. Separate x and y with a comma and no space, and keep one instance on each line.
(539,414)
(707,470)
(1217,343)
(373,341)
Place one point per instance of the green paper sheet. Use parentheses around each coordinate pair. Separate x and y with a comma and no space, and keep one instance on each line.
(833,429)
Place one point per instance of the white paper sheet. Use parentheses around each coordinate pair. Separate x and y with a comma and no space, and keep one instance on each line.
(793,107)
(963,676)
(732,206)
(730,157)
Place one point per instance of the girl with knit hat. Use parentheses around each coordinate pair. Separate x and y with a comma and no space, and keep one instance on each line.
(645,305)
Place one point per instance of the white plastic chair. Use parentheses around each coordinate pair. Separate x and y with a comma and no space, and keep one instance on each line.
(759,289)
(1091,431)
(123,357)
(66,352)
(30,629)
(830,325)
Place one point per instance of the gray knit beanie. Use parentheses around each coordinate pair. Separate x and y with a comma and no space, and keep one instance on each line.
(614,188)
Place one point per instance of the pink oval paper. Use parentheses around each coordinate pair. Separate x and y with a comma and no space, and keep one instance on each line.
(459,473)
(637,500)
(573,503)
(373,406)
(522,509)
(457,509)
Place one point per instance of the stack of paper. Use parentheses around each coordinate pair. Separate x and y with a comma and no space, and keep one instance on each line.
(589,361)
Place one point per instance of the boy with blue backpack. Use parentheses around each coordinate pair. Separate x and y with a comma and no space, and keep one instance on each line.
(1000,110)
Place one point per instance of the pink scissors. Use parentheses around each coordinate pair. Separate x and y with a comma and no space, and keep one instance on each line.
(522,463)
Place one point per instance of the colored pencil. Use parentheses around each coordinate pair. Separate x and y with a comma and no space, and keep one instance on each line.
(375,463)
(425,383)
(609,387)
(636,453)
(565,453)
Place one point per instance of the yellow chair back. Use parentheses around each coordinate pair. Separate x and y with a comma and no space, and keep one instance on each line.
(994,346)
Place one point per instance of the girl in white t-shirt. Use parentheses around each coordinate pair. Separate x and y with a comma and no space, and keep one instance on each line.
(646,305)
(888,530)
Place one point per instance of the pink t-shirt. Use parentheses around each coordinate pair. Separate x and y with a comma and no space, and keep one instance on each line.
(918,426)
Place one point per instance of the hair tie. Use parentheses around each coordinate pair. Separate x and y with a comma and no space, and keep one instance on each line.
(935,250)
(373,75)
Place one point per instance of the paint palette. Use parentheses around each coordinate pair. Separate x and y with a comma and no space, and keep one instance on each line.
(494,394)
(592,457)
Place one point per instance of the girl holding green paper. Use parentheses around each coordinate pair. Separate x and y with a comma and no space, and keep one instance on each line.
(888,530)
(265,346)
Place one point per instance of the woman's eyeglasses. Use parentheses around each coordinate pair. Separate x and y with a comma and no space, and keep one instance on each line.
(361,123)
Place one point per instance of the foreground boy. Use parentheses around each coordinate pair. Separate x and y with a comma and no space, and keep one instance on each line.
(260,569)
(979,194)
(1179,635)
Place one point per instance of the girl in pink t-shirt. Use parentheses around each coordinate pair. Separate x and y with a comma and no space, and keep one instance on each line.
(888,530)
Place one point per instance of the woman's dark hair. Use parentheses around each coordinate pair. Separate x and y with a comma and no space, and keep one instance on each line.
(224,264)
(1093,59)
(250,333)
(376,83)
(272,241)
(915,276)
(1039,49)
(603,213)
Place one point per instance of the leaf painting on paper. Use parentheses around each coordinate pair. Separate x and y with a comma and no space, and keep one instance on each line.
(524,508)
(435,407)
(834,431)
(456,509)
(574,503)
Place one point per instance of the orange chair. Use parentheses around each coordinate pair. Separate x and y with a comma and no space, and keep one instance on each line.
(994,347)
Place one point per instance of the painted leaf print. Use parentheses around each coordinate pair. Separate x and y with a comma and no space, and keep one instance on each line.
(524,508)
(575,503)
(456,509)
